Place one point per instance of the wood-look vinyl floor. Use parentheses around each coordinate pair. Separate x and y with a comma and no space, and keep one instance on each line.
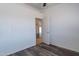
(45,50)
(38,40)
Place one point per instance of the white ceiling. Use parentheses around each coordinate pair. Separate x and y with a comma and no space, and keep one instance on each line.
(40,5)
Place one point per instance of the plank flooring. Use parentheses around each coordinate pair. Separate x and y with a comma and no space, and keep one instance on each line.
(45,50)
(38,40)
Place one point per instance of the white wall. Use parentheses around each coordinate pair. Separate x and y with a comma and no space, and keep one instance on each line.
(63,22)
(17,27)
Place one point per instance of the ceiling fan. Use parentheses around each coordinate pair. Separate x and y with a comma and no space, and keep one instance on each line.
(44,4)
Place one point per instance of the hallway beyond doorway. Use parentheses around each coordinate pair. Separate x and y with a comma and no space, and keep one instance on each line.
(38,23)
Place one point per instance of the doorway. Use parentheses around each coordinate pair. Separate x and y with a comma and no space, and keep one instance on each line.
(38,22)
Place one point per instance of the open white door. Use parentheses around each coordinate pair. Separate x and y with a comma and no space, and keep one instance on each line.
(45,31)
